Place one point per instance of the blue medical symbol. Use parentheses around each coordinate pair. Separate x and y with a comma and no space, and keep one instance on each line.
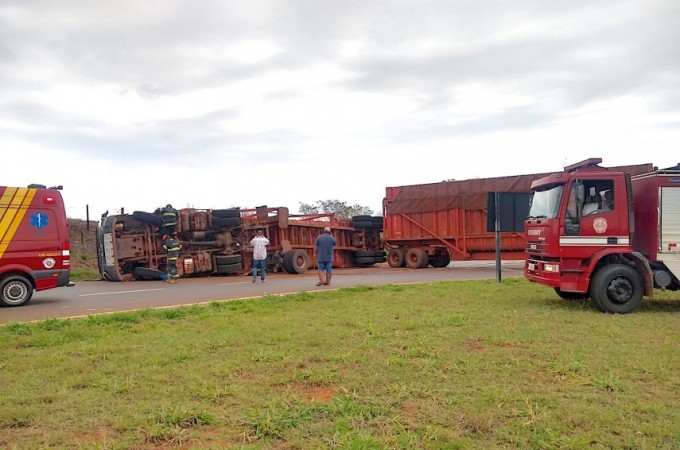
(39,220)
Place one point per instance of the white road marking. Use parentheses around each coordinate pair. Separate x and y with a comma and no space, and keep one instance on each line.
(120,292)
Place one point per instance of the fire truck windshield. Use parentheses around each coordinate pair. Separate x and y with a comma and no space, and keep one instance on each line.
(545,202)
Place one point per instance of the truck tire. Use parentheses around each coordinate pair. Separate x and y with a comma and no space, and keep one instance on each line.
(146,217)
(15,290)
(440,260)
(228,268)
(296,261)
(571,295)
(221,260)
(363,261)
(396,257)
(616,289)
(226,222)
(416,258)
(147,273)
(227,213)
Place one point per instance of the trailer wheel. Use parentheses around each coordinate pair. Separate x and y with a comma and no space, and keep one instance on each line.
(365,261)
(295,261)
(616,289)
(396,257)
(226,222)
(146,217)
(571,295)
(221,260)
(147,273)
(16,291)
(228,268)
(441,260)
(416,258)
(227,213)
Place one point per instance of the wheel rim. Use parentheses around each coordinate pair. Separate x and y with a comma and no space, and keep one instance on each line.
(14,292)
(620,290)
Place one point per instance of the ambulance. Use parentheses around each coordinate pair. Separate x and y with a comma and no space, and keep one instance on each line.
(34,242)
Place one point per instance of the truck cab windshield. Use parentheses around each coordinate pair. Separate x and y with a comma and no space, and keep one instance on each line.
(545,202)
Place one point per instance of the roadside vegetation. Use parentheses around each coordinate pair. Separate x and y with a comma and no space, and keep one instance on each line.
(470,365)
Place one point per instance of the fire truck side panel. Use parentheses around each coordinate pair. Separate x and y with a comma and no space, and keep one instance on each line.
(34,242)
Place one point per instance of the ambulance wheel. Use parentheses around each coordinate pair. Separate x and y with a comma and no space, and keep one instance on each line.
(616,289)
(16,291)
(570,295)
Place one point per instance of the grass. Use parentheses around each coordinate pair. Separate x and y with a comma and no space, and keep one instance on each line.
(459,365)
(85,274)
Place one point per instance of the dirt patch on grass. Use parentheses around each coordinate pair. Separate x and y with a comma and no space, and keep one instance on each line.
(321,394)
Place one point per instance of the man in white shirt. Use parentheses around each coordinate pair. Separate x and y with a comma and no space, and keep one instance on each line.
(259,243)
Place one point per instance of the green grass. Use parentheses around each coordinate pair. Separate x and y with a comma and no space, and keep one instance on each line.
(451,365)
(85,274)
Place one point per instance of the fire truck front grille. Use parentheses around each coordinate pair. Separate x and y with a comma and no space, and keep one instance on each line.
(535,247)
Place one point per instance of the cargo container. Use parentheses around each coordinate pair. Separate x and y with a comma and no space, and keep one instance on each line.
(432,224)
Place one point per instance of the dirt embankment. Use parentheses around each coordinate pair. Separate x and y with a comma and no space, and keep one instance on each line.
(83,244)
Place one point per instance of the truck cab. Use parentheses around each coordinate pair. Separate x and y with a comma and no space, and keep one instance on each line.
(579,234)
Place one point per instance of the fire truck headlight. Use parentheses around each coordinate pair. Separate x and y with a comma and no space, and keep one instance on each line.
(551,268)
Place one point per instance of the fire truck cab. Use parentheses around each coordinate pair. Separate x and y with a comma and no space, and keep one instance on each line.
(600,233)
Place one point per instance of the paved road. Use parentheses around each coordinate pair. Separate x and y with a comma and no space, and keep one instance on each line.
(97,297)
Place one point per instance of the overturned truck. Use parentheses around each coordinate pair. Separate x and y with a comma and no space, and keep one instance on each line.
(216,242)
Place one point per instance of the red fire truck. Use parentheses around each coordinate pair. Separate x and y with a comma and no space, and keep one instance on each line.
(34,245)
(604,234)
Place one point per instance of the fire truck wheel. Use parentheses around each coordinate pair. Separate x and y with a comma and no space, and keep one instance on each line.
(616,289)
(396,257)
(16,291)
(570,295)
(417,258)
(296,261)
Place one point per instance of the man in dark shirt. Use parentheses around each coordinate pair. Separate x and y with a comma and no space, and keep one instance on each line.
(324,245)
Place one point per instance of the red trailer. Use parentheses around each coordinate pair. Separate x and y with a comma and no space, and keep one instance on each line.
(439,222)
(216,242)
(292,237)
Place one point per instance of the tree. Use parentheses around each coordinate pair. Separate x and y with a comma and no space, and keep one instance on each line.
(341,209)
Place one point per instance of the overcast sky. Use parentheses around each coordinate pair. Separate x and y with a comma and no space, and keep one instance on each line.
(214,104)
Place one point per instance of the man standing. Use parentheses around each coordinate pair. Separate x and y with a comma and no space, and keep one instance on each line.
(172,247)
(259,243)
(324,245)
(169,215)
